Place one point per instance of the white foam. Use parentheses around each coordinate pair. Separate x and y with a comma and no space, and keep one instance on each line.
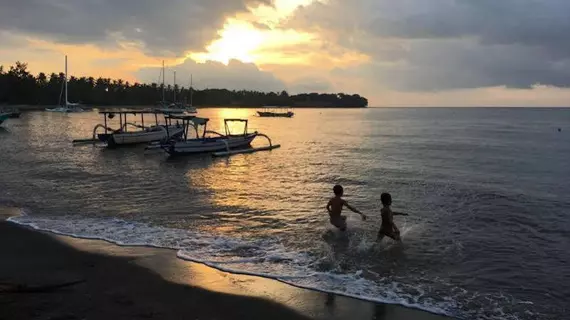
(261,257)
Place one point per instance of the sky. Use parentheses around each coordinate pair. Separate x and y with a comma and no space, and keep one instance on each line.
(395,53)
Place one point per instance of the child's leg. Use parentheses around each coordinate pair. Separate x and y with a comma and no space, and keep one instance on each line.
(340,223)
(380,236)
(343,223)
(396,234)
(390,234)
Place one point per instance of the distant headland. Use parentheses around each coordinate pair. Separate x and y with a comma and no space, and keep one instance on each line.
(19,87)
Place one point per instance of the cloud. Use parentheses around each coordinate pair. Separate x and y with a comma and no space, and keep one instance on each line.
(167,27)
(418,45)
(235,76)
(310,84)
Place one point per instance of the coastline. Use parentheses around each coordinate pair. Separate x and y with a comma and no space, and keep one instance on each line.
(25,108)
(103,280)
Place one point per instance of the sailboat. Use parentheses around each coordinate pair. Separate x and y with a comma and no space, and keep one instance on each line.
(68,106)
(174,107)
(188,108)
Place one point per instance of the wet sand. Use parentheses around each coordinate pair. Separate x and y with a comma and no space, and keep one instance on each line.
(45,276)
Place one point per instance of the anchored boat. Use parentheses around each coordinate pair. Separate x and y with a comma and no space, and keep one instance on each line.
(197,139)
(175,107)
(275,112)
(3,117)
(67,106)
(12,112)
(130,133)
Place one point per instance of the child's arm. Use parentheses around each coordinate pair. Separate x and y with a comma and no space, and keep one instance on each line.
(329,206)
(353,209)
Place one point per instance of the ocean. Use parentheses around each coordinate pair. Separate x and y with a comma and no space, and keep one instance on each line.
(486,190)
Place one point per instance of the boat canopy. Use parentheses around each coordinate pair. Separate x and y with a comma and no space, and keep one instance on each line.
(196,120)
(131,112)
(200,121)
(238,120)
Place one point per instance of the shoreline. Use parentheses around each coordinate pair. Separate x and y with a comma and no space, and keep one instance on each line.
(26,108)
(284,300)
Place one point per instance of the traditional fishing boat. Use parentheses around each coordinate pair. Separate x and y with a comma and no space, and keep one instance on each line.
(196,138)
(275,112)
(12,112)
(67,106)
(130,133)
(3,117)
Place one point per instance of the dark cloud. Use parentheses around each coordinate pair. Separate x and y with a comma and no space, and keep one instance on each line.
(235,76)
(524,22)
(450,44)
(162,27)
(433,65)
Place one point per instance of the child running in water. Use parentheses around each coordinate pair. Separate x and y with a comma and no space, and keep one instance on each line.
(388,227)
(334,207)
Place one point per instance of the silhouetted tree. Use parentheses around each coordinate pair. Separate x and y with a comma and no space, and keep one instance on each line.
(18,86)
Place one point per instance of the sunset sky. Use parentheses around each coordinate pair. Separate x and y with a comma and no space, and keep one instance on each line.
(395,53)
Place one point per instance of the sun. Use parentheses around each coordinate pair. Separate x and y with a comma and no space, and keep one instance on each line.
(238,40)
(242,38)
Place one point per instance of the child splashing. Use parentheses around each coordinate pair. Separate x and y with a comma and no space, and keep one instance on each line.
(334,207)
(388,227)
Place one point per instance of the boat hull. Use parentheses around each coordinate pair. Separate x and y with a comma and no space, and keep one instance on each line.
(3,117)
(178,110)
(208,145)
(275,114)
(139,137)
(65,110)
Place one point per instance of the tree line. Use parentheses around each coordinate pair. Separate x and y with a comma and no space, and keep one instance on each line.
(19,86)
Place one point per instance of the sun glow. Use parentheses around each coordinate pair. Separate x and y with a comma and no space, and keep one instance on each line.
(238,40)
(255,37)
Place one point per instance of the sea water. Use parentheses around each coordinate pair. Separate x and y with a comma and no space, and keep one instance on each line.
(486,191)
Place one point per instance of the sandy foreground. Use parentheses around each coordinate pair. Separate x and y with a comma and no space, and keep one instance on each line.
(45,276)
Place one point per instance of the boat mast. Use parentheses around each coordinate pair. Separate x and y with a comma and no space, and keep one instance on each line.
(191,91)
(174,87)
(66,101)
(163,101)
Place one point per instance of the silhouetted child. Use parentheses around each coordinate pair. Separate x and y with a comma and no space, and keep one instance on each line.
(334,207)
(388,227)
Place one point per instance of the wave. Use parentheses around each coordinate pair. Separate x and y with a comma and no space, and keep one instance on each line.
(267,258)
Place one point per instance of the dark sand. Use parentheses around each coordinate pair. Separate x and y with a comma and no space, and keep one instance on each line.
(43,276)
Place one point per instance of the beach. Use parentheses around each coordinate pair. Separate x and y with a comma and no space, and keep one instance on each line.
(254,227)
(45,276)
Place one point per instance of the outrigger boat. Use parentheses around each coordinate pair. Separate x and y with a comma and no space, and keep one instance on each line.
(3,117)
(274,113)
(211,141)
(141,134)
(12,112)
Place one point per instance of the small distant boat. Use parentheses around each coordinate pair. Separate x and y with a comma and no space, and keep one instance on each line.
(216,143)
(3,117)
(130,133)
(67,106)
(275,113)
